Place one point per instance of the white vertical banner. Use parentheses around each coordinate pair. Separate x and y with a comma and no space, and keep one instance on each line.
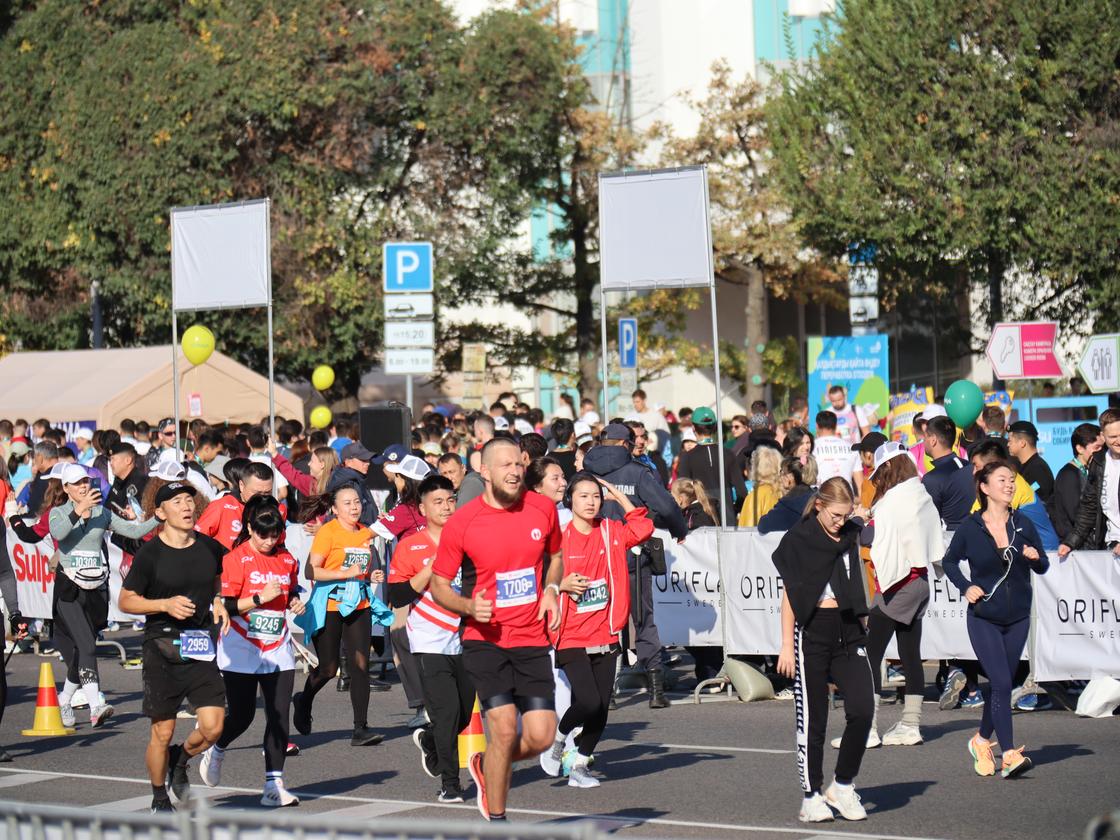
(686,599)
(753,592)
(1077,617)
(34,579)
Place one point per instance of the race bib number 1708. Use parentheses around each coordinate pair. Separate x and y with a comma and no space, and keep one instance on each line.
(516,588)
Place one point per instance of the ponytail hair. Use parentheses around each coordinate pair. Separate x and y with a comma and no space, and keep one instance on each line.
(835,491)
(315,506)
(262,517)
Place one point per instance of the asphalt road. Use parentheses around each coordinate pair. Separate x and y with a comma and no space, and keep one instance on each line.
(718,770)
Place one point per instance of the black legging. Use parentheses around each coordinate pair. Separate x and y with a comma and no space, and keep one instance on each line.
(880,628)
(241,697)
(592,678)
(355,630)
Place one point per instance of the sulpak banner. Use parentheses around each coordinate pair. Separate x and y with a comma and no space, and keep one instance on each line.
(1077,617)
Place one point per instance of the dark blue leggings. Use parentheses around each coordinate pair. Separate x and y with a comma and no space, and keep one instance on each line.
(998,648)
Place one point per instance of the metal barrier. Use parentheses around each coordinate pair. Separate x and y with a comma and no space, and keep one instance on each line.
(31,821)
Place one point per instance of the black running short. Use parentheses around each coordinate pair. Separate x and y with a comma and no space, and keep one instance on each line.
(169,680)
(521,675)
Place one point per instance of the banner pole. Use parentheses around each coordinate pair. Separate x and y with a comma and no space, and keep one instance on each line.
(271,373)
(603,323)
(723,494)
(175,367)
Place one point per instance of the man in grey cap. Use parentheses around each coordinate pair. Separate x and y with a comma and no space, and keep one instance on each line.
(611,461)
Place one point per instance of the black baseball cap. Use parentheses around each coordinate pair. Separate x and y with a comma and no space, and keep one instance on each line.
(617,431)
(356,450)
(170,491)
(871,441)
(1024,427)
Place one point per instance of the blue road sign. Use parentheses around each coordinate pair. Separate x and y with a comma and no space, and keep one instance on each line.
(627,343)
(407,267)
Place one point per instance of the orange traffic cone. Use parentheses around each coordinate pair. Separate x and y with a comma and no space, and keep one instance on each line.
(48,719)
(472,739)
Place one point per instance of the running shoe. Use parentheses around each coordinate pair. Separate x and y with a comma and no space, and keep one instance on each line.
(210,767)
(163,806)
(552,759)
(972,700)
(895,676)
(275,795)
(450,795)
(983,762)
(99,714)
(873,740)
(845,800)
(418,720)
(784,694)
(177,778)
(815,809)
(342,685)
(113,626)
(185,714)
(291,749)
(301,716)
(902,735)
(379,685)
(954,685)
(581,777)
(365,737)
(1015,763)
(67,713)
(5,756)
(474,766)
(425,742)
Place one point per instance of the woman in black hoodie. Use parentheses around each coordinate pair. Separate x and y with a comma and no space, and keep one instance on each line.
(824,609)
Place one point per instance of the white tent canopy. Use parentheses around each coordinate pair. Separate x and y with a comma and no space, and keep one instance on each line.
(103,387)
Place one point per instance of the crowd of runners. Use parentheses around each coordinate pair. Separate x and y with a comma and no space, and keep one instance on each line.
(511,560)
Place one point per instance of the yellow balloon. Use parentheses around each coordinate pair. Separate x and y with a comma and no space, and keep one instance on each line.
(322,377)
(321,417)
(198,344)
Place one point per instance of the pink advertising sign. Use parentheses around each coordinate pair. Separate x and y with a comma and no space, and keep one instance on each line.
(1024,350)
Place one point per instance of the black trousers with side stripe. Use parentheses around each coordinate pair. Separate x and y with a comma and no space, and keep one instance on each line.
(831,647)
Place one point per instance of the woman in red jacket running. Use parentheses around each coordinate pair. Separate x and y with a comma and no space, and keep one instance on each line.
(592,617)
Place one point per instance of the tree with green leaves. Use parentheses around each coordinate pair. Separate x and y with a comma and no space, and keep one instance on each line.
(363,120)
(974,143)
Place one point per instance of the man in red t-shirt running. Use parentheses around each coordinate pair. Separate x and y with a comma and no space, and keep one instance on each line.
(499,541)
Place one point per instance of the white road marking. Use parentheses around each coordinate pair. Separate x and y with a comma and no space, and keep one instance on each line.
(21,778)
(701,748)
(373,809)
(803,833)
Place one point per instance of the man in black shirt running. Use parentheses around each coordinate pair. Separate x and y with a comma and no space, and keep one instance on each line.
(175,581)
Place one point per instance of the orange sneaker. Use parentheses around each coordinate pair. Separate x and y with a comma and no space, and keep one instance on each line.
(1015,763)
(474,767)
(983,762)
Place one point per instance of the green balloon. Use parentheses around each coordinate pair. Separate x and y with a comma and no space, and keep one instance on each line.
(756,380)
(963,402)
(760,348)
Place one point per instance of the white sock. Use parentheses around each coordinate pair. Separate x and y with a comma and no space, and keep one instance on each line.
(92,690)
(842,786)
(273,776)
(580,761)
(68,689)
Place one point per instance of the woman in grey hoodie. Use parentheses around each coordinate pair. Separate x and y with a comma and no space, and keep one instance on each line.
(81,585)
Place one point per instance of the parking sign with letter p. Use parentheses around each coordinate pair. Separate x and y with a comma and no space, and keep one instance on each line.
(407,267)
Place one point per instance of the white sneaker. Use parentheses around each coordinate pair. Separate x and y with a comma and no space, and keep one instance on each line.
(210,768)
(277,796)
(815,809)
(99,714)
(551,759)
(845,800)
(581,777)
(873,740)
(66,711)
(78,699)
(902,735)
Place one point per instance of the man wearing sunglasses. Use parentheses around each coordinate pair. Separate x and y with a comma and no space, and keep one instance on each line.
(166,438)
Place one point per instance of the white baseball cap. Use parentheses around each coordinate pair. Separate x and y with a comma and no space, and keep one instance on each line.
(501,424)
(887,451)
(590,418)
(688,433)
(410,467)
(83,433)
(583,432)
(72,474)
(934,410)
(523,427)
(169,470)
